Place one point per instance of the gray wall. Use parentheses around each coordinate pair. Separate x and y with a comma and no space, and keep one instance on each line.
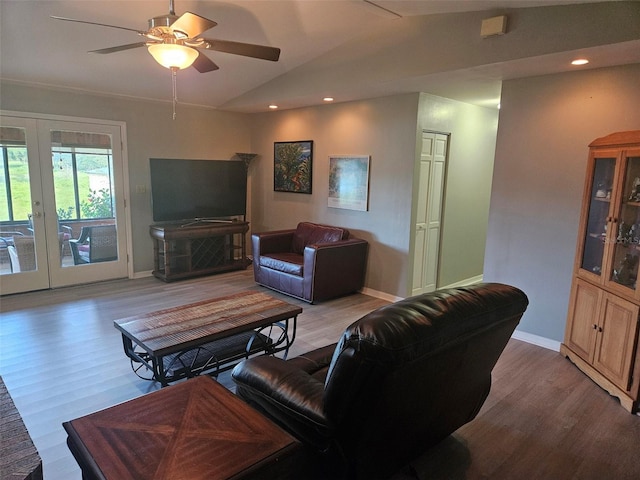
(385,129)
(546,124)
(468,185)
(388,129)
(196,133)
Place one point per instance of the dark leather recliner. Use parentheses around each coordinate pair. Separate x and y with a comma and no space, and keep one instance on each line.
(312,262)
(400,380)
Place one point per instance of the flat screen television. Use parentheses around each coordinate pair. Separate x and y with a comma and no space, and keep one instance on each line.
(190,190)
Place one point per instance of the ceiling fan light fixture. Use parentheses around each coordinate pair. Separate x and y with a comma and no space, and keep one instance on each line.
(171,55)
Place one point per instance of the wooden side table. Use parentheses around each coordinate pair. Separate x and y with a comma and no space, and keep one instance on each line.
(194,430)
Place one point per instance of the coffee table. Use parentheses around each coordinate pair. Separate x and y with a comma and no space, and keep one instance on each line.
(194,430)
(208,336)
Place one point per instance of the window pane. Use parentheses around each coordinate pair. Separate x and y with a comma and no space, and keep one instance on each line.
(4,203)
(14,175)
(95,189)
(19,182)
(64,185)
(82,169)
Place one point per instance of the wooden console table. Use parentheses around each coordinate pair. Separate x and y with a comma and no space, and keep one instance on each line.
(197,430)
(203,248)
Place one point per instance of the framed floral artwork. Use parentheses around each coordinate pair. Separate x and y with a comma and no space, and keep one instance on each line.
(349,182)
(292,166)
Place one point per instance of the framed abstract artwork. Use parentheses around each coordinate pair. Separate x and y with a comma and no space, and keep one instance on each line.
(349,182)
(292,162)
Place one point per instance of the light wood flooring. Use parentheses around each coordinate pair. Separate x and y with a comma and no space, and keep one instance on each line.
(61,358)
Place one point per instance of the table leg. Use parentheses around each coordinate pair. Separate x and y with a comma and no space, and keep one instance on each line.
(284,340)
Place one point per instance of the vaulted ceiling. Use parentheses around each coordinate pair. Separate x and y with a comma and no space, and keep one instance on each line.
(347,49)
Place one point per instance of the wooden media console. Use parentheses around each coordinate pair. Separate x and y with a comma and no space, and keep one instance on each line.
(202,248)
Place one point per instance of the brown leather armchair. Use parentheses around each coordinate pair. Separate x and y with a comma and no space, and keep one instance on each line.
(399,381)
(312,262)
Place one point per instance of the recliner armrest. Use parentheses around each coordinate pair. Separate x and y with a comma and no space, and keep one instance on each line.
(286,394)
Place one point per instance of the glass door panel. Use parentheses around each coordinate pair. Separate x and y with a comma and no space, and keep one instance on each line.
(624,267)
(62,191)
(87,207)
(23,256)
(598,214)
(83,191)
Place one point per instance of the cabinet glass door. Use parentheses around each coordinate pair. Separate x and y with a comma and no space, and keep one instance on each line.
(599,208)
(626,246)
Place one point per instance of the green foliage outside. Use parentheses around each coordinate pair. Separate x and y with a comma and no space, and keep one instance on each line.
(93,203)
(98,205)
(21,194)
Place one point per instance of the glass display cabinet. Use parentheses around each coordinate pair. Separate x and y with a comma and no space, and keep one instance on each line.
(611,242)
(601,335)
(598,215)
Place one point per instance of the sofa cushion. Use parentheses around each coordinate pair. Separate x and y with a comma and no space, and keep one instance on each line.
(283,262)
(308,233)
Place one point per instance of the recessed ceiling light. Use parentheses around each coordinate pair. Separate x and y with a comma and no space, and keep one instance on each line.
(273,107)
(580,61)
(328,99)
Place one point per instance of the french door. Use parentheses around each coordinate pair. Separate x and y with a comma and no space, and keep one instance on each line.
(62,203)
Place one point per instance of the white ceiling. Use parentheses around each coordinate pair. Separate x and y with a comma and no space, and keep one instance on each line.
(311,33)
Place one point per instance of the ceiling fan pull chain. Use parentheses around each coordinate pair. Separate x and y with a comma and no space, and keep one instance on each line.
(175,89)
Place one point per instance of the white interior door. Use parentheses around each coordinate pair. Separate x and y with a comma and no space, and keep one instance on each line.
(77,213)
(431,172)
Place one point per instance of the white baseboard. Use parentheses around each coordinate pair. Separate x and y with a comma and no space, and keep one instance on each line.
(518,335)
(146,274)
(465,282)
(381,295)
(537,340)
(393,298)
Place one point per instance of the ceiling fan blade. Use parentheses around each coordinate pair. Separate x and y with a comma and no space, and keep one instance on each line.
(119,48)
(246,49)
(192,25)
(204,64)
(139,32)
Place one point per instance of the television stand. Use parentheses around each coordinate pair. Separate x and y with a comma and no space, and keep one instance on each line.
(201,248)
(199,221)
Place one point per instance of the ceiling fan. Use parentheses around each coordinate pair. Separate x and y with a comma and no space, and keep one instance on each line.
(172,40)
